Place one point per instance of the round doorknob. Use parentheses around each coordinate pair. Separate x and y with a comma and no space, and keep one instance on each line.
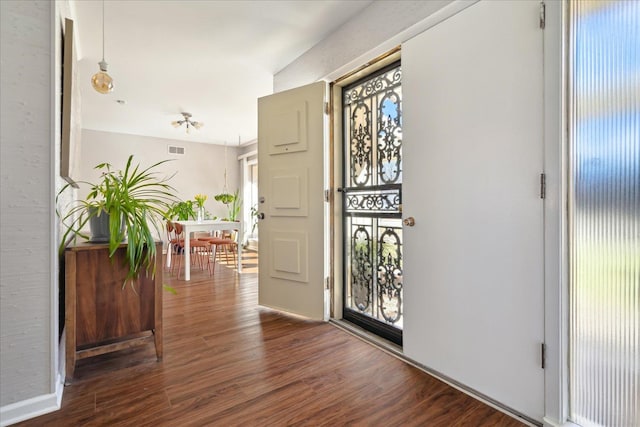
(409,222)
(261,215)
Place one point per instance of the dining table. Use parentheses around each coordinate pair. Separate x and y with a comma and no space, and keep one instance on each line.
(205,225)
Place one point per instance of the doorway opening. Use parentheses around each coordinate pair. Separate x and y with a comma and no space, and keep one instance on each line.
(372,202)
(249,170)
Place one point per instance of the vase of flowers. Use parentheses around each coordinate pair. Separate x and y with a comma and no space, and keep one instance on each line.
(200,199)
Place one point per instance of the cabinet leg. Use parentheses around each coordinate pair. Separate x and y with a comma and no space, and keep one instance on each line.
(69,368)
(157,336)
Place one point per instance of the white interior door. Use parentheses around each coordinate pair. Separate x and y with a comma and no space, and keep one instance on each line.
(473,152)
(290,188)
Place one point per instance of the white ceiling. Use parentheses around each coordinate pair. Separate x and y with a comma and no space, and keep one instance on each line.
(210,58)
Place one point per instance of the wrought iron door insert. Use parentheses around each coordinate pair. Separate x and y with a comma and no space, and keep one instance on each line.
(372,202)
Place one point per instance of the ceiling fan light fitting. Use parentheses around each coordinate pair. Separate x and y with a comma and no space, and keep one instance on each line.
(187,121)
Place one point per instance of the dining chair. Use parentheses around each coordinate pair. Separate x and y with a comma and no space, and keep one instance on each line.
(231,246)
(199,249)
(224,243)
(172,245)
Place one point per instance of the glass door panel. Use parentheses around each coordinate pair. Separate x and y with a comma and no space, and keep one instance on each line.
(372,206)
(604,343)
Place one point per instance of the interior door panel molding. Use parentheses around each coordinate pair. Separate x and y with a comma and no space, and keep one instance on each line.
(289,255)
(288,130)
(289,189)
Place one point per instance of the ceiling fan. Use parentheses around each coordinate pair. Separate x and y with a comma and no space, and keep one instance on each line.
(187,121)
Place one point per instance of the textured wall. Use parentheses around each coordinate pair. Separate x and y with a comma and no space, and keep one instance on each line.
(25,200)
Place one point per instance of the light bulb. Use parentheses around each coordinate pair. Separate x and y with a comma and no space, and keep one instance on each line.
(101,81)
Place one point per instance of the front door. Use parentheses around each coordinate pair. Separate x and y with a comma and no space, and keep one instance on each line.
(473,131)
(291,200)
(372,205)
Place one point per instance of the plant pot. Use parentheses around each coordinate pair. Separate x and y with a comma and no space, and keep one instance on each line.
(99,227)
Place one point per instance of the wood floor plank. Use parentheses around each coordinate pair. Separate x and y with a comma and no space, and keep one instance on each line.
(229,362)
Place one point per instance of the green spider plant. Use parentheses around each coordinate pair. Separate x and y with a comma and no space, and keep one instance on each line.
(136,201)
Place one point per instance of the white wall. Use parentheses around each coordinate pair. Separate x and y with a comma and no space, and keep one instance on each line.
(28,272)
(199,170)
(380,27)
(248,148)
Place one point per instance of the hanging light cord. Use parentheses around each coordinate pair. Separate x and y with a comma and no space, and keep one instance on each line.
(225,190)
(101,81)
(102,30)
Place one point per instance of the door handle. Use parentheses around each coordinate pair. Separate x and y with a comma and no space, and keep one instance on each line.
(409,222)
(260,215)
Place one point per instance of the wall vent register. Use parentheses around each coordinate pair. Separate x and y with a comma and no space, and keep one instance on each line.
(174,149)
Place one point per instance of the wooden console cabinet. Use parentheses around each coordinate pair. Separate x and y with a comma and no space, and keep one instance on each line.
(101,315)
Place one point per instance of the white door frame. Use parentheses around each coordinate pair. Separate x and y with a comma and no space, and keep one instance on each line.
(556,283)
(336,154)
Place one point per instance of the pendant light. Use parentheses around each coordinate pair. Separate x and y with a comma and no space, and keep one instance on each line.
(101,81)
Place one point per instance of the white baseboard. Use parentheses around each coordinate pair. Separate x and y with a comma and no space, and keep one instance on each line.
(551,423)
(33,407)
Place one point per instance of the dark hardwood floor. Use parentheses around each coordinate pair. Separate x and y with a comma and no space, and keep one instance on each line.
(229,362)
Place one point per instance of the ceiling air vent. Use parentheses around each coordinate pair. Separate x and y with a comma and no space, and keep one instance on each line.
(174,149)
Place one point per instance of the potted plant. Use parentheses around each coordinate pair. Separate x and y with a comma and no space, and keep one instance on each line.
(255,214)
(134,200)
(182,211)
(224,198)
(232,202)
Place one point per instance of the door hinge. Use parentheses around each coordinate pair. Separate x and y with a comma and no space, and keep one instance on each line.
(327,195)
(327,282)
(326,108)
(543,14)
(543,185)
(543,353)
